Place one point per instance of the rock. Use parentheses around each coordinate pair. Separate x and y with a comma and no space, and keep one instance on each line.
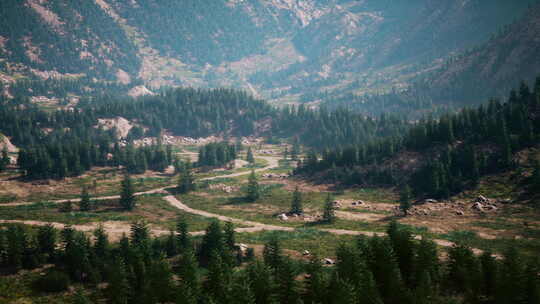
(460,212)
(243,247)
(491,207)
(505,201)
(283,217)
(482,199)
(478,206)
(358,203)
(306,253)
(328,261)
(430,201)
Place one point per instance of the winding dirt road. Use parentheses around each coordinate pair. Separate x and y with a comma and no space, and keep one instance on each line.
(117,229)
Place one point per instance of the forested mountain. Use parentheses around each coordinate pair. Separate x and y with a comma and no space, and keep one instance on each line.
(439,157)
(488,70)
(299,50)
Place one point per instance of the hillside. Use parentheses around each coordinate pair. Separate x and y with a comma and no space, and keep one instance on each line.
(286,51)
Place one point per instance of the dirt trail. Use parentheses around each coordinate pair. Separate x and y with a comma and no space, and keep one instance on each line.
(116,229)
(273,162)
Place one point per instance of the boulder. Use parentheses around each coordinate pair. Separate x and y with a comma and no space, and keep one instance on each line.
(460,212)
(358,203)
(491,207)
(306,253)
(482,199)
(328,261)
(430,201)
(478,206)
(283,217)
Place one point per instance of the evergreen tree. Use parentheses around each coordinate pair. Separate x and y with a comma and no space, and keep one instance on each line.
(252,188)
(249,156)
(261,283)
(296,203)
(329,215)
(184,239)
(272,253)
(405,199)
(213,241)
(46,238)
(85,204)
(118,290)
(127,196)
(186,183)
(66,207)
(229,236)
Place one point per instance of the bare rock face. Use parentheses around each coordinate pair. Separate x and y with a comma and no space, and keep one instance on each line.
(140,91)
(122,125)
(5,142)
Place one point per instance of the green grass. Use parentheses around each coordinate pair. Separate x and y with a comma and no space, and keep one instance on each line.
(529,247)
(152,208)
(278,201)
(372,195)
(320,243)
(19,289)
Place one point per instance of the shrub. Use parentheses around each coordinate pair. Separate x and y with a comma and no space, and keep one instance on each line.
(53,281)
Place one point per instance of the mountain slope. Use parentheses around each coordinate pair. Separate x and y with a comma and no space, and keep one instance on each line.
(285,50)
(495,67)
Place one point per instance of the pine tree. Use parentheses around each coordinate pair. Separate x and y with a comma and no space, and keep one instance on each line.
(252,188)
(186,183)
(85,204)
(229,235)
(213,240)
(249,156)
(288,289)
(329,215)
(127,196)
(296,203)
(118,290)
(261,283)
(101,243)
(184,239)
(66,207)
(218,278)
(272,253)
(405,199)
(47,239)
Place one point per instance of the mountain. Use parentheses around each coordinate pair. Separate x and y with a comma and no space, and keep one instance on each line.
(493,68)
(283,50)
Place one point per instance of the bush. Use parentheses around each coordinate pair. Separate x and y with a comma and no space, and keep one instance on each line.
(53,281)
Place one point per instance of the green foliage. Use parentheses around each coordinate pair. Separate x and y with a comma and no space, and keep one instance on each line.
(127,194)
(216,154)
(85,204)
(329,215)
(405,199)
(253,192)
(296,203)
(249,156)
(186,181)
(53,281)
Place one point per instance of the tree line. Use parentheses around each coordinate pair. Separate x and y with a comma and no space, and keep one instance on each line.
(178,268)
(457,148)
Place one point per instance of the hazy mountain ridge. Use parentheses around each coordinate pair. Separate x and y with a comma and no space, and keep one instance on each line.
(285,50)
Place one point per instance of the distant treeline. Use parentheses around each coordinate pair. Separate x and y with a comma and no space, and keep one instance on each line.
(463,146)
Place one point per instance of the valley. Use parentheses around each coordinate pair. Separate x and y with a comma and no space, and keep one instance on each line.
(276,151)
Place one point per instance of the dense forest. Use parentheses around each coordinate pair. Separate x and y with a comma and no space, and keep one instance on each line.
(461,147)
(214,269)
